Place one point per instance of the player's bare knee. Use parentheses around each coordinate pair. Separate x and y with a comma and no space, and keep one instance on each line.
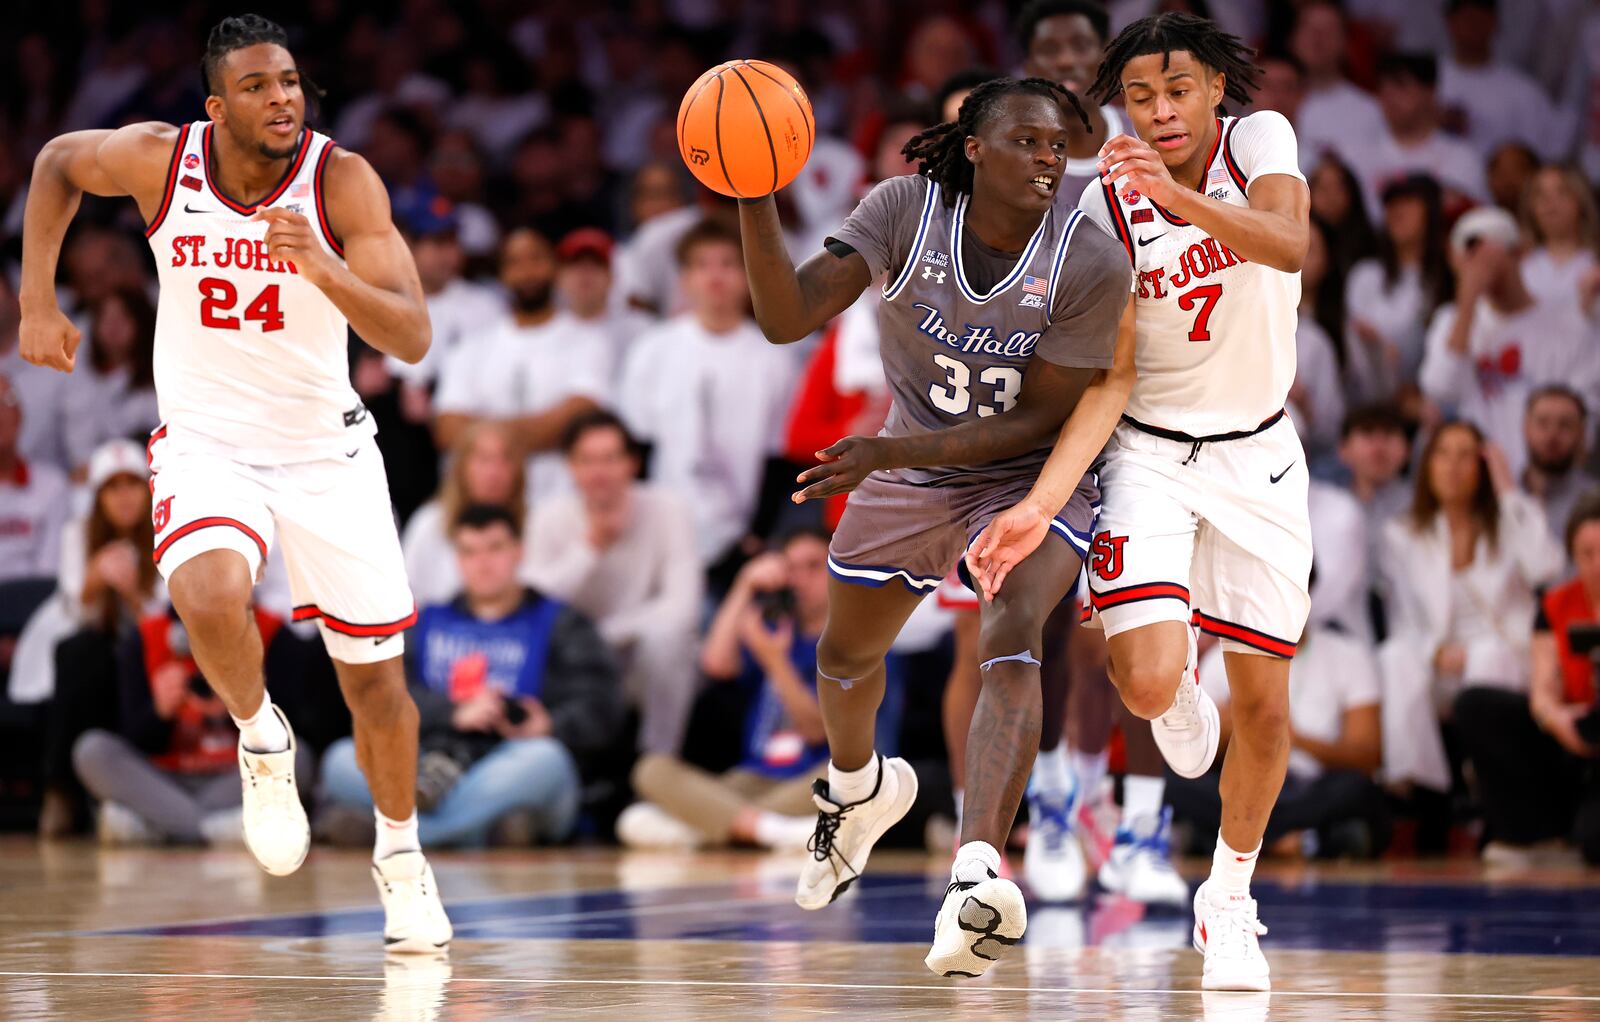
(1261,713)
(1148,684)
(1009,630)
(211,593)
(838,661)
(375,690)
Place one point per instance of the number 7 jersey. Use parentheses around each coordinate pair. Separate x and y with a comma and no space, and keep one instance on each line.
(1215,336)
(251,359)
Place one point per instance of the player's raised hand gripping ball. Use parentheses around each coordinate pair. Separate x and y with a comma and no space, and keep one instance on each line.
(745,128)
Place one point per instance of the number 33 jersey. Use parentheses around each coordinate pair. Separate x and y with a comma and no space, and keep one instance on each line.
(251,359)
(1215,345)
(959,322)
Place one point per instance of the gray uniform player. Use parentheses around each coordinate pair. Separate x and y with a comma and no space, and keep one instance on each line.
(1003,315)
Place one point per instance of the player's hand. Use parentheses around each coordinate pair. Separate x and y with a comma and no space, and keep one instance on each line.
(46,337)
(291,237)
(844,466)
(1003,544)
(1135,161)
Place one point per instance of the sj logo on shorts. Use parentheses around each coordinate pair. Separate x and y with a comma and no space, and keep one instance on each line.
(162,514)
(1105,556)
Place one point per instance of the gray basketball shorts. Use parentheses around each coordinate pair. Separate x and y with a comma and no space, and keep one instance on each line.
(895,531)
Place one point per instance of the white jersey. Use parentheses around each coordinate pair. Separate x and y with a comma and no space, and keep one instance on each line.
(251,359)
(1215,340)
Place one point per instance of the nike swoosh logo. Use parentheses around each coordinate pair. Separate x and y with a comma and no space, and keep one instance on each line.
(1275,478)
(381,640)
(352,454)
(190,209)
(1145,241)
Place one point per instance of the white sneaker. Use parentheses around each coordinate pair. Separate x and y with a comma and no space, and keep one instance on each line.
(1140,864)
(975,926)
(1053,861)
(116,824)
(647,825)
(413,918)
(845,834)
(1188,732)
(1227,934)
(275,826)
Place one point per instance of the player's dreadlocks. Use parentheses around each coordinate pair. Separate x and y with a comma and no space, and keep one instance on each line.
(1164,33)
(941,149)
(236,33)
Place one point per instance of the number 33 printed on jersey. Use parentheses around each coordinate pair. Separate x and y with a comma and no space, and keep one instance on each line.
(955,397)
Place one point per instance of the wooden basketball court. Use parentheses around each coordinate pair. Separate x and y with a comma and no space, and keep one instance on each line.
(176,934)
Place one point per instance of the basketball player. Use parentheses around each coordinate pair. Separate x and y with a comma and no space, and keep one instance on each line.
(1205,479)
(268,240)
(1002,312)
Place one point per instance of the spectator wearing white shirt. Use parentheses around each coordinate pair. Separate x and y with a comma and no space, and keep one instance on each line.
(1330,806)
(1337,201)
(1511,168)
(1554,431)
(1560,223)
(40,392)
(112,395)
(1462,567)
(624,554)
(709,394)
(484,469)
(1341,587)
(1490,349)
(583,283)
(458,308)
(1488,102)
(32,501)
(1410,140)
(1374,450)
(1334,114)
(1316,401)
(536,370)
(1391,297)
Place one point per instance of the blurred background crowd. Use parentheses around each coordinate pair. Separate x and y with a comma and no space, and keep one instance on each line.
(591,467)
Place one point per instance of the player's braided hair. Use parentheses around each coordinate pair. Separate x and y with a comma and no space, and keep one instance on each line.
(1164,33)
(941,150)
(235,33)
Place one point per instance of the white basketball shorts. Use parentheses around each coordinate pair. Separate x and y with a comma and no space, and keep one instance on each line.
(333,516)
(1213,533)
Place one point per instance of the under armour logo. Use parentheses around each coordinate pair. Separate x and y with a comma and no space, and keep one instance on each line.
(929,273)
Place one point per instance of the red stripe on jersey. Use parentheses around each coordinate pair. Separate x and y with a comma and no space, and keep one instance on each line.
(1216,143)
(208,523)
(1248,636)
(311,611)
(277,192)
(316,191)
(1135,594)
(172,181)
(1123,234)
(1227,159)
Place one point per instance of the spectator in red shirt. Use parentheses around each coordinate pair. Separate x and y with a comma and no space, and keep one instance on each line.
(1535,756)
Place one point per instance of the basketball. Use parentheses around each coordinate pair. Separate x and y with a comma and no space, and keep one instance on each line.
(745,128)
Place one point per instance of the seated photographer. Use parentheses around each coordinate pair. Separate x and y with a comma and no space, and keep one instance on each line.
(170,772)
(765,636)
(1330,806)
(514,691)
(623,552)
(1535,755)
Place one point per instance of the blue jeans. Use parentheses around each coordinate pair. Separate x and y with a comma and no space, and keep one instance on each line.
(535,775)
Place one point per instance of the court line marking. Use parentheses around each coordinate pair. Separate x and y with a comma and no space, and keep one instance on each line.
(770,985)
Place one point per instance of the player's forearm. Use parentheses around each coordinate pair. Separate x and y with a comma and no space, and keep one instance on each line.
(395,324)
(975,442)
(1262,236)
(1083,436)
(52,201)
(775,293)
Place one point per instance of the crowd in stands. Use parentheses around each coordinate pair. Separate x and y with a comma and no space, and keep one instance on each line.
(618,604)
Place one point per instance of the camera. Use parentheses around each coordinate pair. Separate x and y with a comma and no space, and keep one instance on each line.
(776,605)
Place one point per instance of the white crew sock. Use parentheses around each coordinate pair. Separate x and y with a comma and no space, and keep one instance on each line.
(263,732)
(1141,797)
(976,861)
(774,830)
(847,786)
(395,836)
(1231,870)
(1089,770)
(960,798)
(1050,771)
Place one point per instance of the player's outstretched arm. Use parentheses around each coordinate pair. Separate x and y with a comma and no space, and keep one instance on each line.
(791,304)
(376,287)
(1275,229)
(128,161)
(1017,532)
(1048,392)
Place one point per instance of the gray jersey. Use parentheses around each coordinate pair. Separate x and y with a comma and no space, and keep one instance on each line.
(959,321)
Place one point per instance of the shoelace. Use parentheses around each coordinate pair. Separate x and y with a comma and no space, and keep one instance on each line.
(967,885)
(828,823)
(1183,714)
(1234,929)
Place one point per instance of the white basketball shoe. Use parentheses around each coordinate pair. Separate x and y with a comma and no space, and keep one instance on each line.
(1140,864)
(1053,862)
(1227,932)
(413,917)
(1189,731)
(275,827)
(845,834)
(976,925)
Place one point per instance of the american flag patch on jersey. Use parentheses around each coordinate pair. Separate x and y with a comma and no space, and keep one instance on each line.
(1036,285)
(1218,176)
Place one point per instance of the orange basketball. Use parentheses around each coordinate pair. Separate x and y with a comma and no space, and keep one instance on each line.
(745,128)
